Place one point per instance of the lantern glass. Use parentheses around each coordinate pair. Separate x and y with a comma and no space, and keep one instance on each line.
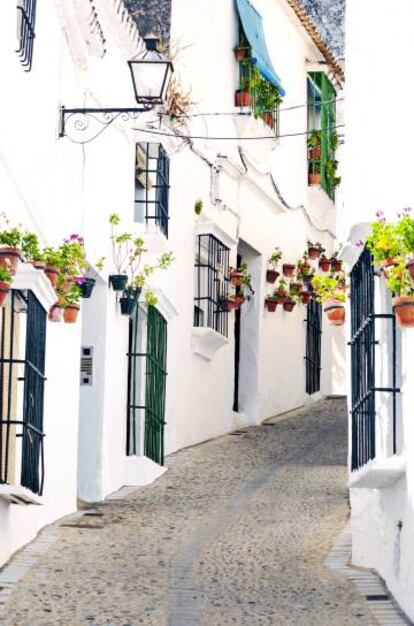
(151,74)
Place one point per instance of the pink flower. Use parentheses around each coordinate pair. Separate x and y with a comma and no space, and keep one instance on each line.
(380,216)
(359,244)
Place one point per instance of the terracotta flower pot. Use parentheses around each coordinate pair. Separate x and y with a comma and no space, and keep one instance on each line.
(305,296)
(335,312)
(314,179)
(268,119)
(39,265)
(314,153)
(325,265)
(4,290)
(10,258)
(272,276)
(242,98)
(386,264)
(288,269)
(55,313)
(289,305)
(233,305)
(410,268)
(314,253)
(53,275)
(70,314)
(404,311)
(236,277)
(271,304)
(336,265)
(241,53)
(296,287)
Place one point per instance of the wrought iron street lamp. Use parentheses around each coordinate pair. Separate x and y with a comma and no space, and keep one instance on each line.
(151,74)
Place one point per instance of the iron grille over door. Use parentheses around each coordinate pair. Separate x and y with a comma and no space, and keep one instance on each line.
(27,17)
(22,315)
(151,366)
(313,347)
(363,363)
(152,185)
(212,284)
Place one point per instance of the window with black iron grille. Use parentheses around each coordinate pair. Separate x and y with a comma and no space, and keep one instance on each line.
(147,363)
(211,284)
(152,185)
(364,363)
(313,347)
(26,31)
(22,362)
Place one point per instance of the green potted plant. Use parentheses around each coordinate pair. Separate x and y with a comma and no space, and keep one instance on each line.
(401,286)
(314,176)
(331,168)
(53,260)
(295,286)
(290,301)
(198,207)
(324,263)
(304,267)
(314,145)
(271,302)
(336,264)
(315,249)
(10,246)
(55,313)
(405,229)
(71,304)
(138,278)
(330,290)
(288,269)
(6,278)
(385,242)
(31,251)
(241,52)
(272,274)
(305,296)
(123,247)
(86,282)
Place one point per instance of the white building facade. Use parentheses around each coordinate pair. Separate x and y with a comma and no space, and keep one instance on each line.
(185,369)
(381,389)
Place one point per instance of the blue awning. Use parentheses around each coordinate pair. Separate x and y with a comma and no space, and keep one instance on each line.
(253,29)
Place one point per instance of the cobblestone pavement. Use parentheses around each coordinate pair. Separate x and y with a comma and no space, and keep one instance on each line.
(235,533)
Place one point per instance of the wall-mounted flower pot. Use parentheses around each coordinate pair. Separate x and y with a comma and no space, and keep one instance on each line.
(268,119)
(53,275)
(325,265)
(241,53)
(55,313)
(271,304)
(39,265)
(336,265)
(314,253)
(4,290)
(70,313)
(272,276)
(118,281)
(314,179)
(305,296)
(296,287)
(404,311)
(233,305)
(87,287)
(242,98)
(288,269)
(289,305)
(386,264)
(10,258)
(129,301)
(314,153)
(335,312)
(307,278)
(236,277)
(410,268)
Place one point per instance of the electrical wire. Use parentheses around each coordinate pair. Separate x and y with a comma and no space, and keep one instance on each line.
(206,138)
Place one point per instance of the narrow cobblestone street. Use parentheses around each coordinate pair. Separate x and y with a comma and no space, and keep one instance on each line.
(235,533)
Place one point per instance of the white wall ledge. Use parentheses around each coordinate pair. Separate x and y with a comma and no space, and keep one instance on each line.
(27,277)
(16,494)
(378,473)
(206,342)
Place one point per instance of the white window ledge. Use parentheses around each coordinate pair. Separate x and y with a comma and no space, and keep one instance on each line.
(15,494)
(206,342)
(378,473)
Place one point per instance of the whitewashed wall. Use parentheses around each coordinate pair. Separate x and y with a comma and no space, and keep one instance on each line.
(378,136)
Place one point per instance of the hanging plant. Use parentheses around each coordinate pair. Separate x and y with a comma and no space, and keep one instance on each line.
(272,274)
(53,260)
(330,290)
(314,145)
(31,251)
(336,264)
(315,249)
(71,304)
(288,269)
(10,245)
(324,263)
(6,278)
(401,286)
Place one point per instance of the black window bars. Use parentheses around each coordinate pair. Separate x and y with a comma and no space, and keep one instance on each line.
(22,360)
(212,284)
(152,185)
(364,366)
(27,18)
(313,347)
